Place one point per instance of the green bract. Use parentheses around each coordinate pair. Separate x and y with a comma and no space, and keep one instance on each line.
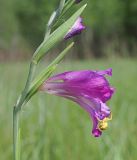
(46,73)
(56,36)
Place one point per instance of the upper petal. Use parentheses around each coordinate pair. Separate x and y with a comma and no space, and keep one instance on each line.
(105,72)
(76,29)
(72,76)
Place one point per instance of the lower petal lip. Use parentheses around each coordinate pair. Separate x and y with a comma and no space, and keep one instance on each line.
(96,133)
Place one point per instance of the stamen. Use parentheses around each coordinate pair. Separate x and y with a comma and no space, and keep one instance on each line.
(103,124)
(110,116)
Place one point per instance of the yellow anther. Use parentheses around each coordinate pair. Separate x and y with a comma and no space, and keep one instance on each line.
(110,117)
(102,125)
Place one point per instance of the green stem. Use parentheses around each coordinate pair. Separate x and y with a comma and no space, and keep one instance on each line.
(28,83)
(30,76)
(48,30)
(16,135)
(16,113)
(22,98)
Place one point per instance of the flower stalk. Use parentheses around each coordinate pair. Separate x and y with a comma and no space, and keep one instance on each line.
(52,37)
(17,111)
(16,134)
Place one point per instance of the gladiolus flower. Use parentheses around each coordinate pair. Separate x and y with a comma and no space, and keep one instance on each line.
(76,29)
(89,89)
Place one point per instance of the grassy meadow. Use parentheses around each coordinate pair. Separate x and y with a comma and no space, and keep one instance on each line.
(57,129)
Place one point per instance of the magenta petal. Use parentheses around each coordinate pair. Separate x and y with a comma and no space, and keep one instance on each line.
(81,75)
(76,29)
(76,76)
(96,133)
(105,72)
(73,76)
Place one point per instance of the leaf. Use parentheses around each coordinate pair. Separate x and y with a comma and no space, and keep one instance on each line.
(56,36)
(68,4)
(61,6)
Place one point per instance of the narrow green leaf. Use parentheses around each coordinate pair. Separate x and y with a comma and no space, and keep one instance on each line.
(35,87)
(68,5)
(56,36)
(18,145)
(61,6)
(52,18)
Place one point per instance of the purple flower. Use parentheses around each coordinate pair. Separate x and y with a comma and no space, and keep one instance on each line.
(76,29)
(77,1)
(90,89)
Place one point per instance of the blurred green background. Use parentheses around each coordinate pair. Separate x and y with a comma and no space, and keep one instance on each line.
(54,128)
(111,28)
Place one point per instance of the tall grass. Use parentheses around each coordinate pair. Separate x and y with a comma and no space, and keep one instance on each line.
(57,129)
